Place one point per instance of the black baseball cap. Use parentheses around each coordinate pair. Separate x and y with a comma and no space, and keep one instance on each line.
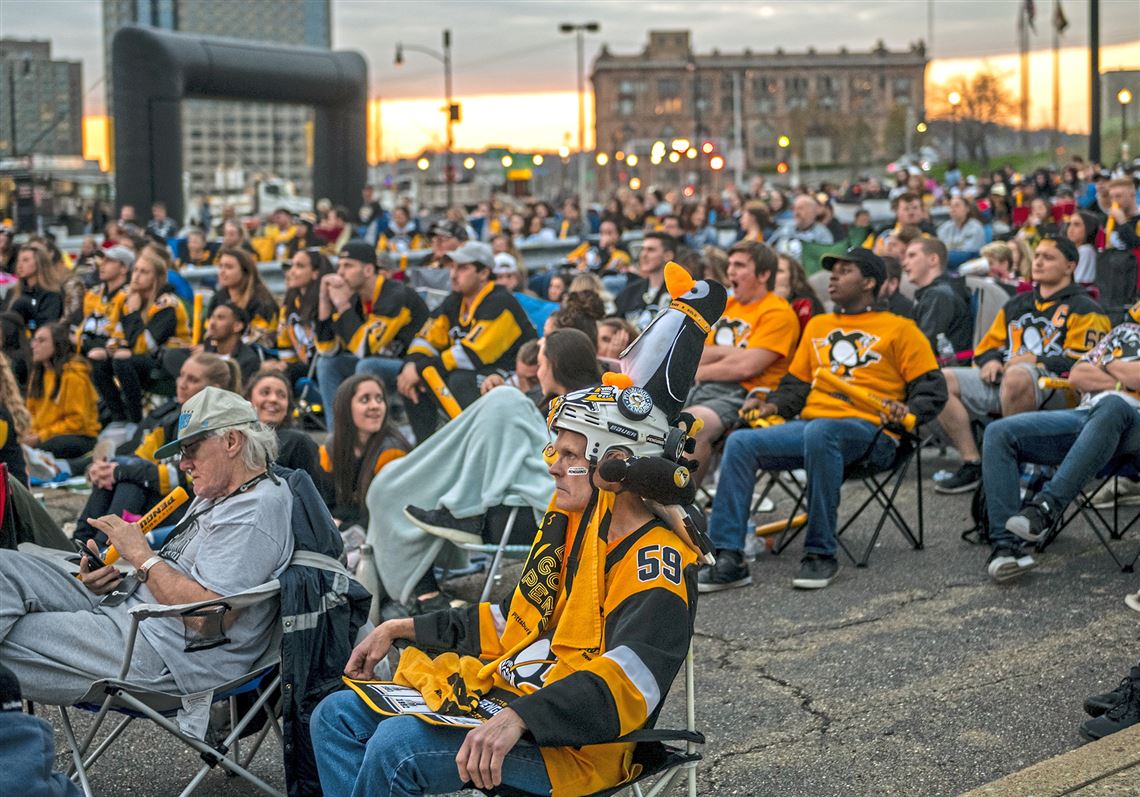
(869,263)
(1067,248)
(359,249)
(449,228)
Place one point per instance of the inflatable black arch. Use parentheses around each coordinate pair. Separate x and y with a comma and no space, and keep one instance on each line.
(154,70)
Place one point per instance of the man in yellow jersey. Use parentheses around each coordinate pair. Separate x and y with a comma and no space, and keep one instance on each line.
(749,348)
(862,344)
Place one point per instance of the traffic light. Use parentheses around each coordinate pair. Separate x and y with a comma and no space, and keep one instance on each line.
(782,167)
(784,142)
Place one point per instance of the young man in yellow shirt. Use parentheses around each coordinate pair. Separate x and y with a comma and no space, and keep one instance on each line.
(868,347)
(748,348)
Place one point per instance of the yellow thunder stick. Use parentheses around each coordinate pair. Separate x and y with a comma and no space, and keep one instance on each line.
(860,397)
(439,387)
(158,513)
(1053,383)
(196,333)
(776,526)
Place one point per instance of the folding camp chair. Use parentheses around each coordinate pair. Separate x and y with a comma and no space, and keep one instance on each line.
(131,702)
(658,760)
(1095,517)
(498,552)
(882,487)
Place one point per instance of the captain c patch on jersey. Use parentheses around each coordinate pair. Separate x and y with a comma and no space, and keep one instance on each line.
(843,352)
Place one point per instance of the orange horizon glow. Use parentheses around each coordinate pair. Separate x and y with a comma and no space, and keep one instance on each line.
(545,121)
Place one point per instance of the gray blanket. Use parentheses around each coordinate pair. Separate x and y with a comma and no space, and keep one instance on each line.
(488,456)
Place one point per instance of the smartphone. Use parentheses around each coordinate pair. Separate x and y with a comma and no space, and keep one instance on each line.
(95,561)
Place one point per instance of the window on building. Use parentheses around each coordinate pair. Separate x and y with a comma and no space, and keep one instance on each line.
(764,91)
(900,89)
(862,91)
(626,106)
(668,96)
(726,93)
(795,92)
(827,92)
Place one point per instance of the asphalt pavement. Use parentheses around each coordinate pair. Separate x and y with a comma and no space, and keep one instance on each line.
(914,676)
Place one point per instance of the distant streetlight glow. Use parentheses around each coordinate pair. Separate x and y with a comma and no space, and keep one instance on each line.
(506,160)
(537,160)
(634,183)
(631,160)
(691,153)
(680,144)
(564,151)
(784,142)
(707,147)
(619,155)
(716,163)
(920,127)
(602,159)
(674,157)
(954,98)
(422,164)
(469,163)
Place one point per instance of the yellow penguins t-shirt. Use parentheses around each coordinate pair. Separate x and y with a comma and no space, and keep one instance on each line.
(769,323)
(877,351)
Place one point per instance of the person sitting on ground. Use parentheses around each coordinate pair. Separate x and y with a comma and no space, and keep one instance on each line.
(1079,442)
(589,687)
(152,322)
(941,301)
(793,286)
(1036,334)
(867,347)
(37,296)
(135,479)
(240,283)
(365,322)
(890,295)
(296,326)
(61,398)
(504,431)
(271,396)
(747,350)
(364,440)
(61,635)
(475,331)
(103,304)
(645,296)
(962,232)
(15,422)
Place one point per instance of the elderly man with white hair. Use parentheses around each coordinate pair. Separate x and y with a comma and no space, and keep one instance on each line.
(804,227)
(59,632)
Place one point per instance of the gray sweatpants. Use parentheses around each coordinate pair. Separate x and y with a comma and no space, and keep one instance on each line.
(57,639)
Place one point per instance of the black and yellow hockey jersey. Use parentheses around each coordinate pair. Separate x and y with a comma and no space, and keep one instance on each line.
(1057,330)
(101,311)
(384,326)
(482,334)
(164,324)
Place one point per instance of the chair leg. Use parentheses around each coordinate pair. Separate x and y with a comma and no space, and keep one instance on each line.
(493,572)
(91,757)
(76,755)
(789,533)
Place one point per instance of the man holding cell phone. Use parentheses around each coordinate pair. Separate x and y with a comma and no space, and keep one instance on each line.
(59,632)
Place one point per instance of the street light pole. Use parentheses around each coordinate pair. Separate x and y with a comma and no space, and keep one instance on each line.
(581,29)
(955,100)
(451,109)
(1124,96)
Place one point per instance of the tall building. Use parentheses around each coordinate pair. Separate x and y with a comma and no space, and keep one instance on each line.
(833,107)
(232,143)
(41,101)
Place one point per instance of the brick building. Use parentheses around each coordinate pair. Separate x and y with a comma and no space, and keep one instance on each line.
(834,107)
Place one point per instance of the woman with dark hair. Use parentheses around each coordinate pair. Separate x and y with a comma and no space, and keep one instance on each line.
(581,310)
(296,336)
(793,285)
(557,287)
(364,440)
(61,399)
(753,222)
(240,283)
(133,480)
(152,319)
(567,361)
(1082,228)
(271,395)
(38,295)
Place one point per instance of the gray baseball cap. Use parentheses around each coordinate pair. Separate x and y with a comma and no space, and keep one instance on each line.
(475,252)
(120,253)
(207,411)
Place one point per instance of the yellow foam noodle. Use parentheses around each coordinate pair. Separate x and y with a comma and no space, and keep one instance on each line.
(439,387)
(776,526)
(158,513)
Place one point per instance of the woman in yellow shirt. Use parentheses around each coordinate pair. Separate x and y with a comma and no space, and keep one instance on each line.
(61,397)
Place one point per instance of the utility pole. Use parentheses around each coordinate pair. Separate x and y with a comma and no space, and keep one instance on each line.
(581,29)
(1094,81)
(1023,44)
(737,130)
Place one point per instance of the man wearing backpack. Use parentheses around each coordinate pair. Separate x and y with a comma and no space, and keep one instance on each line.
(1079,442)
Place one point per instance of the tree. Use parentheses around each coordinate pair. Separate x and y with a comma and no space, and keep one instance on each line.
(985,102)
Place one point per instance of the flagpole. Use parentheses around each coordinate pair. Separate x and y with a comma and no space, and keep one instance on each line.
(1057,17)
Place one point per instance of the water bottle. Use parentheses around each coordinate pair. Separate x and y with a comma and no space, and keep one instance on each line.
(944,350)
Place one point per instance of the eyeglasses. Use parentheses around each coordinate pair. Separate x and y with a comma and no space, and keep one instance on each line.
(190,451)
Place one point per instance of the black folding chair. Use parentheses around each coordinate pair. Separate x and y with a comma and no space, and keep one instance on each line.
(882,488)
(1096,518)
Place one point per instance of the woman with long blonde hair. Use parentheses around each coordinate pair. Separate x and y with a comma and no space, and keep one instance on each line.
(15,422)
(37,297)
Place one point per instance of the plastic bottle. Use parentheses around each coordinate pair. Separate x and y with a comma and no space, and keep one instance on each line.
(944,349)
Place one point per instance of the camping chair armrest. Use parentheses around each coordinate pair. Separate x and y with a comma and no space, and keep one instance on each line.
(662,735)
(239,600)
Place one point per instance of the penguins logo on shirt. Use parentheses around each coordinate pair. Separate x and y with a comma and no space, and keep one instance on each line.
(731,332)
(1037,334)
(845,352)
(530,665)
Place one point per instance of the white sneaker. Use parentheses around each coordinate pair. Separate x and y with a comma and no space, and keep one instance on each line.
(1133,601)
(1006,566)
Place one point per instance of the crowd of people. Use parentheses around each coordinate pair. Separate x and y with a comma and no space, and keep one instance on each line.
(111,361)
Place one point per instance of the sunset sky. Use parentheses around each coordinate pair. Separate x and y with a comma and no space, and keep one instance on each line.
(515,74)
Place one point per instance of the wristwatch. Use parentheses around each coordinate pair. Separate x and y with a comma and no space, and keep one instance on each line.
(144,572)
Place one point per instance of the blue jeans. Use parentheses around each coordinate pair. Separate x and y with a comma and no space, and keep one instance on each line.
(331,371)
(823,447)
(1078,442)
(360,752)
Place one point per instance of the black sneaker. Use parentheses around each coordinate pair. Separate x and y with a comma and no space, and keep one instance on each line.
(965,479)
(1123,715)
(1095,705)
(728,572)
(1007,563)
(816,572)
(1033,521)
(442,523)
